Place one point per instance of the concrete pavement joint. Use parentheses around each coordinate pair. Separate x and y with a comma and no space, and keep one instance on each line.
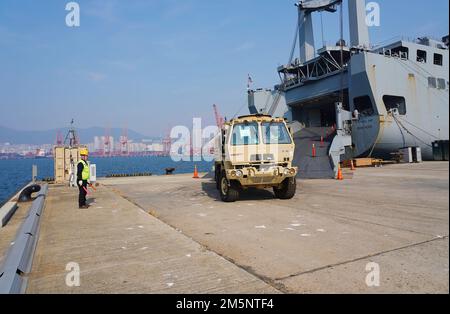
(277,286)
(360,258)
(368,222)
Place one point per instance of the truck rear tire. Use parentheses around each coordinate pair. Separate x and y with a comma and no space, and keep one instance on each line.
(286,190)
(228,190)
(217,177)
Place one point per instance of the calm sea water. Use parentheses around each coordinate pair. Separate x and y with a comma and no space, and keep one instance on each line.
(16,173)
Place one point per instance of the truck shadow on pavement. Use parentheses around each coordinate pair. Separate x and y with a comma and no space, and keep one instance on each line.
(251,194)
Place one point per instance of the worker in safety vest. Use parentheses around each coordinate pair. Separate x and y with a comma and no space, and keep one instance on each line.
(83,177)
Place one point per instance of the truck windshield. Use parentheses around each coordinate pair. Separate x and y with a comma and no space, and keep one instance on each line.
(245,134)
(275,133)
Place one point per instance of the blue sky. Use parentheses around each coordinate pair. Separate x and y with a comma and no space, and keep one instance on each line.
(154,64)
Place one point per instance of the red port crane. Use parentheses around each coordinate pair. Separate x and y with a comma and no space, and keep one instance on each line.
(219,119)
(124,142)
(107,143)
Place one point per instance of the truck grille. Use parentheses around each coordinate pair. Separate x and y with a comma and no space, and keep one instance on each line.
(261,157)
(261,180)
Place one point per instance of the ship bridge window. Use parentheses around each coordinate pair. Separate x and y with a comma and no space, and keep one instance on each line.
(395,102)
(441,83)
(421,56)
(400,52)
(364,106)
(438,59)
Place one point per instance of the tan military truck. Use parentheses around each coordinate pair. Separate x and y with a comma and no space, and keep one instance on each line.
(255,151)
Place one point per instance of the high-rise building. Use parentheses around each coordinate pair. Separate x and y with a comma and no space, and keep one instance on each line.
(97,143)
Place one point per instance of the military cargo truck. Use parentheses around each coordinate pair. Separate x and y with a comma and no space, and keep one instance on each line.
(255,151)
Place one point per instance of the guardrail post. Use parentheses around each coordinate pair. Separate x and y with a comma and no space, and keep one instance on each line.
(34,173)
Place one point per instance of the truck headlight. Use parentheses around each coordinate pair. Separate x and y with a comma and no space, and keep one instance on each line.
(239,174)
(289,171)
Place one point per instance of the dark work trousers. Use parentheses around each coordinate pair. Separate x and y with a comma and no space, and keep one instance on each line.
(82,195)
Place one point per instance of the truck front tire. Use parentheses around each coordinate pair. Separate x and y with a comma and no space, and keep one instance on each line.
(228,190)
(286,190)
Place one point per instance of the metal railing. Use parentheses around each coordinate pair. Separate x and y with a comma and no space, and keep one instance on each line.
(19,259)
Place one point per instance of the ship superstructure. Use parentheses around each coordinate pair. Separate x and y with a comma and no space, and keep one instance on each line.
(366,100)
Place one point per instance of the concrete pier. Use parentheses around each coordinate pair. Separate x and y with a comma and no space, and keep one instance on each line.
(121,249)
(172,234)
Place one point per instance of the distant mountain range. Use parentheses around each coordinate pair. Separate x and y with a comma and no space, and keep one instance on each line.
(12,136)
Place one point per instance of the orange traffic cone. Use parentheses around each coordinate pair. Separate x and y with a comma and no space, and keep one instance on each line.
(314,154)
(195,173)
(340,177)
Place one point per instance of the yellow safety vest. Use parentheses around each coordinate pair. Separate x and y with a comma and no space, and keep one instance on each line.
(86,174)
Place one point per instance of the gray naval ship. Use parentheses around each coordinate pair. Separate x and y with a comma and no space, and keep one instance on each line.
(358,100)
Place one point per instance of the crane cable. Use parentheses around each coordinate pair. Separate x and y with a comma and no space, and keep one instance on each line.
(273,107)
(341,44)
(240,109)
(291,57)
(321,28)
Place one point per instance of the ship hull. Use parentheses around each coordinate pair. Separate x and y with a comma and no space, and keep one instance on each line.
(423,116)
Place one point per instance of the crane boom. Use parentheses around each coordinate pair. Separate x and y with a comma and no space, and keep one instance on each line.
(219,119)
(319,5)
